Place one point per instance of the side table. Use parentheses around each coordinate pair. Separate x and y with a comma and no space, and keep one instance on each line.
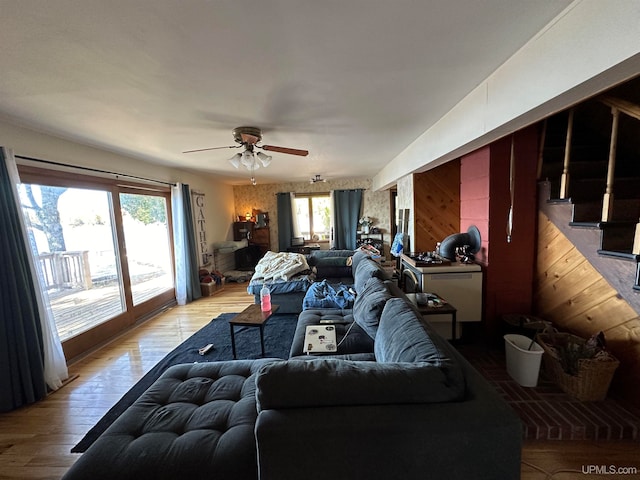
(252,316)
(445,308)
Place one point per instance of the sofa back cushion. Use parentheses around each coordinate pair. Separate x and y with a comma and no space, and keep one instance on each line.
(316,255)
(369,304)
(319,382)
(358,256)
(331,267)
(402,336)
(366,269)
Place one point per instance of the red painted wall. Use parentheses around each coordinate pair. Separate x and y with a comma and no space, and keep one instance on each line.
(475,196)
(484,202)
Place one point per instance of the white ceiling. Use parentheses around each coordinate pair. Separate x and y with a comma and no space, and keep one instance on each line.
(352,81)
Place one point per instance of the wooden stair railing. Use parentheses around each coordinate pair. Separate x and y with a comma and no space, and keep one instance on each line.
(615,213)
(632,110)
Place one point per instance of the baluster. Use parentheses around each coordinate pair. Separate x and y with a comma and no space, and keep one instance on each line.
(85,269)
(607,199)
(564,179)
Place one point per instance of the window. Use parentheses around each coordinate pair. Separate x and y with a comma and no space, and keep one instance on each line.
(104,250)
(313,214)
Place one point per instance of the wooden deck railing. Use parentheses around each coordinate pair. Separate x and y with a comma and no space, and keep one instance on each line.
(63,270)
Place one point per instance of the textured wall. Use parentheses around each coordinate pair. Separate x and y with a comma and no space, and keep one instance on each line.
(405,200)
(263,197)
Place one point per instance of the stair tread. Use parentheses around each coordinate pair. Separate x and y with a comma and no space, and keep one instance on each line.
(585,224)
(604,225)
(622,255)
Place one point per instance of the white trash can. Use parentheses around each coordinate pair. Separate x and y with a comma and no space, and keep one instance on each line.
(523,363)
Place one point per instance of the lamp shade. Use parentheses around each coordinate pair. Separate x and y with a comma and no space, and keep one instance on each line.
(248,160)
(235,160)
(265,159)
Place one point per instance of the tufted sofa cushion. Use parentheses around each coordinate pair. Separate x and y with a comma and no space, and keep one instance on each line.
(196,421)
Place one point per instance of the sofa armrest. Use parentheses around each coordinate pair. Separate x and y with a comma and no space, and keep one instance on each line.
(332,382)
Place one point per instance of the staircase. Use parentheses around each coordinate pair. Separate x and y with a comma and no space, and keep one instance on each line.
(591,158)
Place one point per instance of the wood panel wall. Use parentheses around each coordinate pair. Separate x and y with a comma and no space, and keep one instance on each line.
(571,293)
(436,205)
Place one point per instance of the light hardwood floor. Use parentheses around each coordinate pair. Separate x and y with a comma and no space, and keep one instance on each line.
(35,441)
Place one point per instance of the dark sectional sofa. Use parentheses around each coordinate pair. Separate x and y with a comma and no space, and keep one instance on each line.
(395,401)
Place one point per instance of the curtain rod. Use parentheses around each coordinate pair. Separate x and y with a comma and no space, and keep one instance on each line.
(96,170)
(335,189)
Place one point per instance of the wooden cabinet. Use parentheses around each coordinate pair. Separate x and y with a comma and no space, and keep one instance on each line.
(242,230)
(262,238)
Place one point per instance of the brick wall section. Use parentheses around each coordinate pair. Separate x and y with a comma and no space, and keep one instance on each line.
(484,202)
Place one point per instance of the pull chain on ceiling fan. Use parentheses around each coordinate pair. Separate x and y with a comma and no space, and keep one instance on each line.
(248,137)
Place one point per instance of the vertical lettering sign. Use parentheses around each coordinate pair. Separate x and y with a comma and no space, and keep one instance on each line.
(200,227)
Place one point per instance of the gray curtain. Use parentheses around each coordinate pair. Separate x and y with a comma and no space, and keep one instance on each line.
(285,221)
(184,238)
(193,279)
(346,206)
(22,377)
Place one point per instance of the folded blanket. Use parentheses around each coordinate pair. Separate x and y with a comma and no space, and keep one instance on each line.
(282,265)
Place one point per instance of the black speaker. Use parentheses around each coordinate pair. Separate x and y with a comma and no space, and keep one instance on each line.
(471,238)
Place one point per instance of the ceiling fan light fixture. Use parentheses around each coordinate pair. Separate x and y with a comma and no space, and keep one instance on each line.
(317,178)
(250,138)
(265,159)
(235,160)
(248,160)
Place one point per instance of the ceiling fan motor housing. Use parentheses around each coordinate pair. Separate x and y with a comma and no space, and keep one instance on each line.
(244,135)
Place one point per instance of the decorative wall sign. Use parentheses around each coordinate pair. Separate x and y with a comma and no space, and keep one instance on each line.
(200,227)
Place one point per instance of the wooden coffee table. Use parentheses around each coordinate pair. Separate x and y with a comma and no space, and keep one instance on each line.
(252,316)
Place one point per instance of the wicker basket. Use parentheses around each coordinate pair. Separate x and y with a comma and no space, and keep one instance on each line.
(594,375)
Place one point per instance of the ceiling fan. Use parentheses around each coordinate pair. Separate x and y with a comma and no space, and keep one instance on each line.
(249,137)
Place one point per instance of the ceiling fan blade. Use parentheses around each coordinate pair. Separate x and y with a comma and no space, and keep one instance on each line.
(211,148)
(289,151)
(250,139)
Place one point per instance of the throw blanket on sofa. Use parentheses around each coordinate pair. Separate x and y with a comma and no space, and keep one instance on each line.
(325,295)
(283,265)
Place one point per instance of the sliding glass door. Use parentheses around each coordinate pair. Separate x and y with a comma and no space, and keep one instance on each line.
(104,252)
(73,232)
(148,243)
